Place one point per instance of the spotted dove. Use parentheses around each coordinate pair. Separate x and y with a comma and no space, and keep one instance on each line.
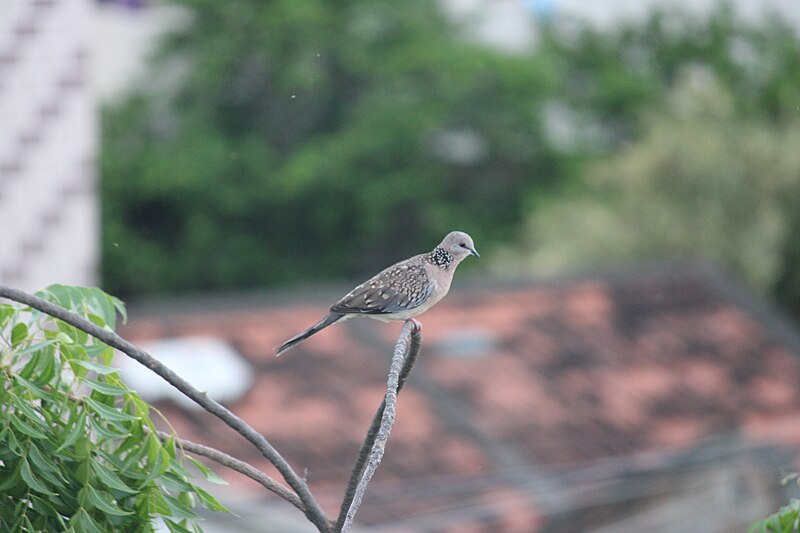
(402,291)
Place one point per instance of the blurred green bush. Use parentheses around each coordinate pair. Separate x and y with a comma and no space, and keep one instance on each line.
(286,141)
(702,182)
(695,131)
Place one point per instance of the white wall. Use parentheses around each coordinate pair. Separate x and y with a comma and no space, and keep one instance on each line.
(48,207)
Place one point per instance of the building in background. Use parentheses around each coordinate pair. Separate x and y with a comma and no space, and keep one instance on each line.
(59,60)
(48,145)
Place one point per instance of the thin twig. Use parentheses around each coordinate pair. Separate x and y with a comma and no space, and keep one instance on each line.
(402,354)
(312,509)
(366,446)
(238,465)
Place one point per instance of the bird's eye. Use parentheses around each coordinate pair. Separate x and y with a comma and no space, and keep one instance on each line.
(463,245)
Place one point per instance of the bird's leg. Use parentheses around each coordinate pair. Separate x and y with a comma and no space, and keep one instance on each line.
(417,324)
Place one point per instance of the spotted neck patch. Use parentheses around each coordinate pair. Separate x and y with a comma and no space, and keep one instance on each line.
(440,257)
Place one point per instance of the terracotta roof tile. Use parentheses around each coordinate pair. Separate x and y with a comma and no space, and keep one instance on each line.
(559,376)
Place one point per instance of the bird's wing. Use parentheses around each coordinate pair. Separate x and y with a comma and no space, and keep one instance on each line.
(400,287)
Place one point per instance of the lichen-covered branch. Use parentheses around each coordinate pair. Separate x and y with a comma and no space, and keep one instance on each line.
(371,452)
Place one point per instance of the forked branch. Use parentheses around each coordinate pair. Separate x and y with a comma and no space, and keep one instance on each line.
(237,465)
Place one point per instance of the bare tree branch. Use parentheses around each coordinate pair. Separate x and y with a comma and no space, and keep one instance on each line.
(238,465)
(312,509)
(405,354)
(366,446)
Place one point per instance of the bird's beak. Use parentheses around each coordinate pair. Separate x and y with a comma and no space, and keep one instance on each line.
(474,252)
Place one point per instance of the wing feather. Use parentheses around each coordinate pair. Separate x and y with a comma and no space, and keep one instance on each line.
(398,288)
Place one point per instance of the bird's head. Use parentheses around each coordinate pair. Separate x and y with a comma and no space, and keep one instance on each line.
(459,244)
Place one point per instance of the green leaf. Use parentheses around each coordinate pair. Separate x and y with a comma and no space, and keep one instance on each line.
(24,408)
(110,479)
(41,462)
(103,306)
(177,508)
(176,467)
(773,522)
(9,480)
(83,523)
(188,499)
(105,411)
(106,388)
(13,443)
(97,320)
(104,503)
(208,501)
(153,445)
(6,312)
(159,464)
(71,335)
(47,368)
(32,481)
(140,407)
(95,367)
(29,368)
(36,347)
(175,527)
(58,294)
(33,389)
(67,334)
(169,445)
(63,338)
(77,352)
(26,428)
(109,430)
(134,442)
(136,453)
(78,428)
(18,334)
(41,368)
(174,483)
(46,469)
(119,305)
(157,504)
(209,474)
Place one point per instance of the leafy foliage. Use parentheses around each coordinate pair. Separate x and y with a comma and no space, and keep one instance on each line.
(616,80)
(316,140)
(700,183)
(78,450)
(786,520)
(689,128)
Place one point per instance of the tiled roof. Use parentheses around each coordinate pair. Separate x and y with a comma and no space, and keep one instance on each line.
(513,383)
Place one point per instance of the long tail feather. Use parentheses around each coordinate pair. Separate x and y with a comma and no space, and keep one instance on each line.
(322,324)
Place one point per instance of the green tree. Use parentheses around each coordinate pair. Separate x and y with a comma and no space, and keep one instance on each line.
(614,80)
(685,130)
(78,450)
(701,183)
(314,139)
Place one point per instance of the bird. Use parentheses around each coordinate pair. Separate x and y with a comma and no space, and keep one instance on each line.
(399,292)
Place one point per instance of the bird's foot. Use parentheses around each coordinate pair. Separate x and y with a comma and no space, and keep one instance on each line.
(417,324)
